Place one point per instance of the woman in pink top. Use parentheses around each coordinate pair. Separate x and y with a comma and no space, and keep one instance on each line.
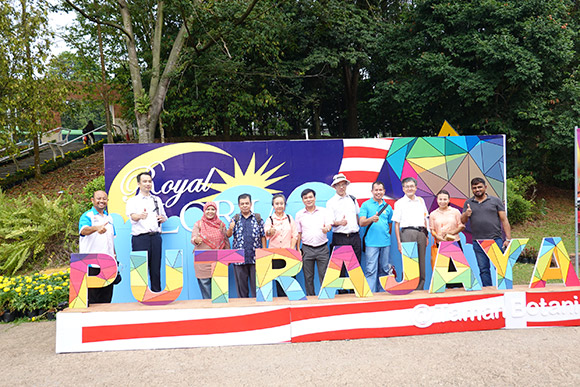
(209,233)
(280,228)
(281,232)
(445,224)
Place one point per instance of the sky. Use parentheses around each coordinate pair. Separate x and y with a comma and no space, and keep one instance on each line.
(57,22)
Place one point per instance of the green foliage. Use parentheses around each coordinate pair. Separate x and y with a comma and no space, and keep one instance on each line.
(34,229)
(488,67)
(520,209)
(97,184)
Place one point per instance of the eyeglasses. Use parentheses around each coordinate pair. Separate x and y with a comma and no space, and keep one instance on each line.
(409,186)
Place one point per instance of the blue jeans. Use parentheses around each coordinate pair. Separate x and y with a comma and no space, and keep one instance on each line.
(483,262)
(376,258)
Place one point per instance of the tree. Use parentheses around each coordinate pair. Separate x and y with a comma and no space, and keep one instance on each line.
(183,17)
(30,96)
(488,67)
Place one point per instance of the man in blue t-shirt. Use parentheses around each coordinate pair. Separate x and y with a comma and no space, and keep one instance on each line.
(377,239)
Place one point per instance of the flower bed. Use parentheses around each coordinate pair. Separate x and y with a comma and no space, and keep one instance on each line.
(34,296)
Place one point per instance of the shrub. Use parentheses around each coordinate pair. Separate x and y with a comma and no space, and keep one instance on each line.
(521,192)
(32,228)
(97,184)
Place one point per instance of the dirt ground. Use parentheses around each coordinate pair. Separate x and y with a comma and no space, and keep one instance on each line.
(495,358)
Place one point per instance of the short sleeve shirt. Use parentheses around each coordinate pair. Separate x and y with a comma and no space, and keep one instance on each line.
(248,233)
(378,234)
(410,213)
(95,242)
(484,219)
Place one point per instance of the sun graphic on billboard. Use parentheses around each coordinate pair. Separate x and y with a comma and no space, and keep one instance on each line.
(260,178)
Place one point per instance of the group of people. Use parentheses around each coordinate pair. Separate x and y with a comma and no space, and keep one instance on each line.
(307,232)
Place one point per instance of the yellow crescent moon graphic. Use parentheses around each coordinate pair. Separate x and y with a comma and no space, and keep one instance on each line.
(125,182)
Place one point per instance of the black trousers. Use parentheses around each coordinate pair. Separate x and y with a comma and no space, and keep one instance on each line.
(242,273)
(99,295)
(152,244)
(353,240)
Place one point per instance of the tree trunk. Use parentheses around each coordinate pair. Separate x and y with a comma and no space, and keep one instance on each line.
(316,119)
(36,156)
(105,88)
(351,76)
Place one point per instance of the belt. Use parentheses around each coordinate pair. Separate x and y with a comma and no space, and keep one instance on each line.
(314,247)
(422,229)
(150,233)
(347,235)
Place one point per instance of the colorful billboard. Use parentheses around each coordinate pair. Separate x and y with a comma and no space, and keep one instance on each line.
(188,174)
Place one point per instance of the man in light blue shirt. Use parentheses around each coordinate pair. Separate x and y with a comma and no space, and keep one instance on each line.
(377,236)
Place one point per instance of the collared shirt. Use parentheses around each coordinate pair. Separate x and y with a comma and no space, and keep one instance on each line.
(344,207)
(150,204)
(310,224)
(248,233)
(484,220)
(285,231)
(378,234)
(410,213)
(96,242)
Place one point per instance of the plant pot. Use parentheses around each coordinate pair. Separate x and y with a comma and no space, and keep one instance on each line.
(9,316)
(50,316)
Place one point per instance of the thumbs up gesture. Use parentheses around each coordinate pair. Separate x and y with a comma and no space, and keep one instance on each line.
(468,210)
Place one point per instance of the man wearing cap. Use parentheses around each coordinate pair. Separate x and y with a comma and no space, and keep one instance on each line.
(147,213)
(344,210)
(411,225)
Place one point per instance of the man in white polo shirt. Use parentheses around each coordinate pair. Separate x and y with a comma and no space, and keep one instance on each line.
(147,213)
(411,223)
(96,235)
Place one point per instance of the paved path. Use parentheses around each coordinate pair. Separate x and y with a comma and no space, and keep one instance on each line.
(494,358)
(8,167)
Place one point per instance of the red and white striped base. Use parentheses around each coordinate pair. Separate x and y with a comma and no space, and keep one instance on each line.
(200,323)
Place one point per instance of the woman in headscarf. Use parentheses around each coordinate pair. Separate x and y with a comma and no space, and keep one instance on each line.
(209,233)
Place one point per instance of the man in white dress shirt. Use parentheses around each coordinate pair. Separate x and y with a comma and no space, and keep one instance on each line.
(147,213)
(411,224)
(344,209)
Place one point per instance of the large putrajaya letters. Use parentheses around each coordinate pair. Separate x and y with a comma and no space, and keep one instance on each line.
(80,281)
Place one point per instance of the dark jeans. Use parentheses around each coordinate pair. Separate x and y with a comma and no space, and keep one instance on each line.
(205,287)
(152,244)
(242,273)
(483,261)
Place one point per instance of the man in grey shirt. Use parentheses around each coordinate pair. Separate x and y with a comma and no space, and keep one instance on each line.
(487,216)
